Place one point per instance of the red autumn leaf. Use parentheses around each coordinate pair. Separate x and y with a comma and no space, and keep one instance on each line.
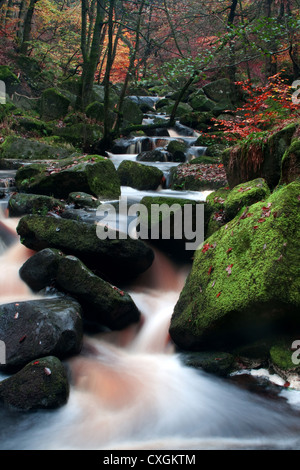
(260,221)
(205,247)
(218,295)
(255,227)
(209,271)
(229,250)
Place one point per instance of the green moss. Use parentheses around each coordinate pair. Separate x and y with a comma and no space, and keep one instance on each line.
(281,355)
(290,165)
(245,194)
(245,276)
(139,176)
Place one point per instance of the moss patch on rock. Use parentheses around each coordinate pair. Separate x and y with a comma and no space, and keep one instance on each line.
(244,195)
(244,282)
(139,176)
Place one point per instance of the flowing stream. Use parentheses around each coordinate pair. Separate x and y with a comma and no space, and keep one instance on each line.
(131,390)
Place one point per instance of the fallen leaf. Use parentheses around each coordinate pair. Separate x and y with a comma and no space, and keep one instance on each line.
(209,271)
(218,295)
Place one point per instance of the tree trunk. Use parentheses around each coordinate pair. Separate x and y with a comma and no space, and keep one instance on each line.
(90,55)
(27,27)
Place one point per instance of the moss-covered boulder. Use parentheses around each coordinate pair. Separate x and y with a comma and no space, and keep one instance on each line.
(54,104)
(81,200)
(31,126)
(198,177)
(244,283)
(258,158)
(38,328)
(94,175)
(139,176)
(215,209)
(22,203)
(82,135)
(181,110)
(198,120)
(103,303)
(26,149)
(219,91)
(200,102)
(290,165)
(173,224)
(131,113)
(110,258)
(41,384)
(245,195)
(178,150)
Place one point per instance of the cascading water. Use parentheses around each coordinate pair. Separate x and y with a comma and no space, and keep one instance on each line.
(131,390)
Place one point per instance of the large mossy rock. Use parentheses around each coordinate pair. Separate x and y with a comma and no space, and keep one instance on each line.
(198,177)
(245,195)
(41,384)
(290,166)
(103,303)
(259,159)
(54,104)
(112,259)
(25,149)
(94,175)
(200,102)
(38,328)
(139,176)
(131,113)
(22,203)
(244,283)
(82,135)
(173,224)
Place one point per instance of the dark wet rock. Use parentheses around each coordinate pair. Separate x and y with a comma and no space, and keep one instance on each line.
(39,328)
(215,362)
(113,258)
(102,303)
(40,270)
(156,155)
(41,384)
